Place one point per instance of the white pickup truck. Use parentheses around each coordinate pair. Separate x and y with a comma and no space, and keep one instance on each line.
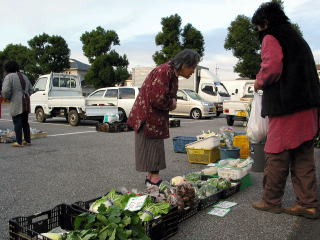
(237,109)
(60,95)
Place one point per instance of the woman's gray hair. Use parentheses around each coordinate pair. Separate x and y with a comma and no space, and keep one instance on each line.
(187,57)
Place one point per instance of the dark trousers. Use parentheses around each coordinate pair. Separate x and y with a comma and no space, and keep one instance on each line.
(300,162)
(20,123)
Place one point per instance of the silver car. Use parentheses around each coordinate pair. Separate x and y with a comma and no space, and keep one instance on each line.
(189,103)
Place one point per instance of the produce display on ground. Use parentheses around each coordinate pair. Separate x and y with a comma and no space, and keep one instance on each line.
(9,136)
(121,214)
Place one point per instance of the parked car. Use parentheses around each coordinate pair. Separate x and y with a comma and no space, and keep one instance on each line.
(122,97)
(189,103)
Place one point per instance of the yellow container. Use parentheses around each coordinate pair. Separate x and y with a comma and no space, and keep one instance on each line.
(242,142)
(204,156)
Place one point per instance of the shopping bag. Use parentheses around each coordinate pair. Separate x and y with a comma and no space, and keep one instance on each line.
(257,127)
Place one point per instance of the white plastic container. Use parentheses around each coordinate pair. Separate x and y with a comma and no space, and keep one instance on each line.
(207,143)
(233,173)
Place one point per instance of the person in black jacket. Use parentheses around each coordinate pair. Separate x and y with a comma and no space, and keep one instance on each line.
(291,98)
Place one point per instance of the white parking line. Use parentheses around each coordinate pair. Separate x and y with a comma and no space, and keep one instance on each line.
(63,134)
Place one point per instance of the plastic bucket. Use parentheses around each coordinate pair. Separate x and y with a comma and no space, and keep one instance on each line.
(258,156)
(242,142)
(229,153)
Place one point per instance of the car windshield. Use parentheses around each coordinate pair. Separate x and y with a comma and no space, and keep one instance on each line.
(193,95)
(221,89)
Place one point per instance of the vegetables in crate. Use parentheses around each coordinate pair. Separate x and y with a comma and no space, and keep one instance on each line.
(210,171)
(206,191)
(152,210)
(177,180)
(112,198)
(164,185)
(110,223)
(193,177)
(219,183)
(53,236)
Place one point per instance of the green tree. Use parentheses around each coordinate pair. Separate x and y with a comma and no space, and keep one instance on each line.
(49,53)
(19,53)
(173,39)
(245,45)
(107,66)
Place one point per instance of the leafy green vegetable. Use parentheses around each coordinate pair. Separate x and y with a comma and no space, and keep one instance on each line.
(152,210)
(112,198)
(164,185)
(193,177)
(110,223)
(206,191)
(224,184)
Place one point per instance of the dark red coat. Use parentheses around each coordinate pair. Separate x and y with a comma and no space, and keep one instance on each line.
(152,104)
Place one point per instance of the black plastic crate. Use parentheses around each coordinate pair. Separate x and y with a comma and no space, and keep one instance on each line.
(27,228)
(230,191)
(209,201)
(174,123)
(160,228)
(164,227)
(186,213)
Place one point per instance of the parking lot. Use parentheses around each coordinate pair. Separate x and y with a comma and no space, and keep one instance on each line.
(78,163)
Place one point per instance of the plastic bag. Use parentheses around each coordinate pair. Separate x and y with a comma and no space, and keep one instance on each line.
(257,127)
(111,118)
(227,135)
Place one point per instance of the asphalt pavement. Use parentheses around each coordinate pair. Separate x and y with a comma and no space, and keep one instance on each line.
(78,163)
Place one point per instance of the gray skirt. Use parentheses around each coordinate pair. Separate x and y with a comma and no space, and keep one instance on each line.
(149,153)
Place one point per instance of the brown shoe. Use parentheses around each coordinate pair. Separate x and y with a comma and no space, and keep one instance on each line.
(298,210)
(262,206)
(15,144)
(25,143)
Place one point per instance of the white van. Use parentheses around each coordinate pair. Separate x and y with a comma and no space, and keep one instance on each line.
(122,97)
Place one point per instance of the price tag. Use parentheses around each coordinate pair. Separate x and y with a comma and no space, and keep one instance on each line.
(225,204)
(136,203)
(220,212)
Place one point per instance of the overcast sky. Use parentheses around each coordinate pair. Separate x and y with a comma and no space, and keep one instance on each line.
(138,21)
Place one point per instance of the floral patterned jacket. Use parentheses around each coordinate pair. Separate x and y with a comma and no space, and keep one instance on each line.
(151,107)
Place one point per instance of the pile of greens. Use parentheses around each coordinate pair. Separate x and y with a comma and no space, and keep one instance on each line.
(152,210)
(112,199)
(110,223)
(193,177)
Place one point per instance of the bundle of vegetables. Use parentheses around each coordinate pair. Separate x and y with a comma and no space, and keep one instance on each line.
(152,210)
(193,177)
(185,195)
(109,223)
(111,199)
(206,191)
(219,183)
(177,180)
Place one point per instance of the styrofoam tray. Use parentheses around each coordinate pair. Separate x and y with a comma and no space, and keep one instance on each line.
(207,143)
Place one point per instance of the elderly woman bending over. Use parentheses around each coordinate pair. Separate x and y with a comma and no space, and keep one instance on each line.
(149,116)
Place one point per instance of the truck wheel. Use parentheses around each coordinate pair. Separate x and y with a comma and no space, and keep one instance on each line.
(40,116)
(73,118)
(218,114)
(196,113)
(122,115)
(230,120)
